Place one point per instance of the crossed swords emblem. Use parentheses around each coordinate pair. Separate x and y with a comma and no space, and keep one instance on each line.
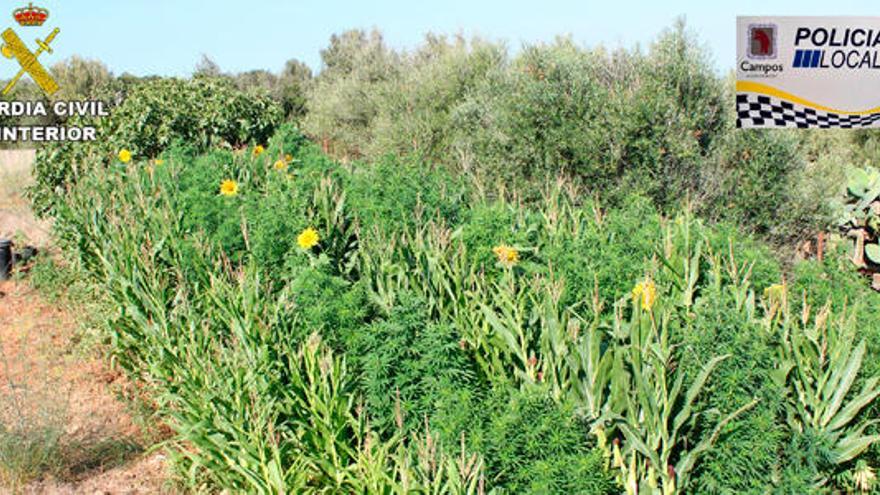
(13,47)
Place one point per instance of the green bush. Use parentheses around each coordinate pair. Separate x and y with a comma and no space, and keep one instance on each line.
(486,226)
(327,305)
(834,281)
(671,113)
(544,113)
(394,193)
(535,445)
(771,184)
(610,254)
(746,459)
(407,364)
(155,115)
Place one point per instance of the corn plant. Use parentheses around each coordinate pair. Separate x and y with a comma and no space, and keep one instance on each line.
(820,363)
(329,212)
(541,342)
(650,406)
(591,366)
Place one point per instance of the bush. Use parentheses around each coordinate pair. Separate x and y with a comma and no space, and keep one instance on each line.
(487,225)
(407,364)
(327,305)
(751,182)
(671,113)
(534,445)
(393,194)
(746,459)
(200,112)
(607,254)
(545,113)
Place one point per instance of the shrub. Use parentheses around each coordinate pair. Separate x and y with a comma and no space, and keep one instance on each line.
(196,188)
(407,365)
(760,180)
(393,194)
(416,109)
(200,112)
(487,225)
(746,457)
(543,114)
(342,101)
(534,445)
(327,305)
(833,280)
(671,112)
(608,253)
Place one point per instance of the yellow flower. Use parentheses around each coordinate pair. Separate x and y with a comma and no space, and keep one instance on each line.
(308,238)
(258,150)
(124,156)
(645,292)
(507,256)
(288,158)
(158,161)
(229,187)
(774,293)
(280,165)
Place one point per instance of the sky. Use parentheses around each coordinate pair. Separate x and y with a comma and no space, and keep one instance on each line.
(169,37)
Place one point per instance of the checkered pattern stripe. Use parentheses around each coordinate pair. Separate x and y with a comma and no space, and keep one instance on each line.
(754,110)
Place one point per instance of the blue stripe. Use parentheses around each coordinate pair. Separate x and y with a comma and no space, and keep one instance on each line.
(798,58)
(816,55)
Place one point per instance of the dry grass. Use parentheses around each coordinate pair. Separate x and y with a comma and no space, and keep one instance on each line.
(15,174)
(62,430)
(16,220)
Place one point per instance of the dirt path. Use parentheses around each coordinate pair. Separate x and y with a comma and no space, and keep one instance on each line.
(16,220)
(62,428)
(46,383)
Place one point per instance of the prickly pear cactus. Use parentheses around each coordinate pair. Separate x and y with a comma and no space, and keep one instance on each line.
(861,216)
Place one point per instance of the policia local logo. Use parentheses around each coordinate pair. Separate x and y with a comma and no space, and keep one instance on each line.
(807,72)
(14,48)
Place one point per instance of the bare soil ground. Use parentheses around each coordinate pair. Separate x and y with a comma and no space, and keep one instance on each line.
(16,220)
(48,380)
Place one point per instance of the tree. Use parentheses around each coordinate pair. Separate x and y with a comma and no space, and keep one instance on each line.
(292,88)
(80,79)
(207,67)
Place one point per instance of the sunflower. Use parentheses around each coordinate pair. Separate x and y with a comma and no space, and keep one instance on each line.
(124,156)
(645,292)
(507,256)
(258,150)
(229,187)
(308,238)
(775,293)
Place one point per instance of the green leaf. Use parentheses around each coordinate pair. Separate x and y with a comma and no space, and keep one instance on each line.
(873,252)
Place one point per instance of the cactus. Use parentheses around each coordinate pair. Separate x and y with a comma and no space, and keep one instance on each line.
(872,251)
(860,218)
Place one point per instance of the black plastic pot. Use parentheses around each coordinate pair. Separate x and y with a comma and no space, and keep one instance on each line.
(5,259)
